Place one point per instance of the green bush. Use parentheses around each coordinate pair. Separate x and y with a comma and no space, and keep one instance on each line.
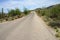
(57,34)
(26,11)
(6,19)
(14,12)
(54,23)
(12,18)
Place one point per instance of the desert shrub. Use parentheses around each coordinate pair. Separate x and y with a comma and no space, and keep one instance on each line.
(14,12)
(43,13)
(12,18)
(18,16)
(6,19)
(26,11)
(54,23)
(57,34)
(57,30)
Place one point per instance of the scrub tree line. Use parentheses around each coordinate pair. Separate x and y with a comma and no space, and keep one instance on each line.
(12,14)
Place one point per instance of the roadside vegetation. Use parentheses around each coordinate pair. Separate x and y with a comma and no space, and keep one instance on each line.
(12,14)
(51,16)
(26,11)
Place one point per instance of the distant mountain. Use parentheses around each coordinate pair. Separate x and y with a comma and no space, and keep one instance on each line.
(53,6)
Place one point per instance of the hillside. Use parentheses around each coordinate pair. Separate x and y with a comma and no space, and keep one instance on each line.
(51,15)
(52,12)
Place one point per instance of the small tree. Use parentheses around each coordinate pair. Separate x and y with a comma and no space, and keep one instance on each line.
(17,11)
(11,13)
(14,12)
(25,11)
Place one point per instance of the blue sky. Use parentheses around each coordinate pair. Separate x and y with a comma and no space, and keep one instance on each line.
(29,4)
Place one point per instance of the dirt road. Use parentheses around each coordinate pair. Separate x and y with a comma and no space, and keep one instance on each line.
(30,27)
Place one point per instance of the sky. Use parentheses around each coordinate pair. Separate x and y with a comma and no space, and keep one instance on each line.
(29,4)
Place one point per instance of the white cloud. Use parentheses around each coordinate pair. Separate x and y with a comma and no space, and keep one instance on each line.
(12,4)
(30,4)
